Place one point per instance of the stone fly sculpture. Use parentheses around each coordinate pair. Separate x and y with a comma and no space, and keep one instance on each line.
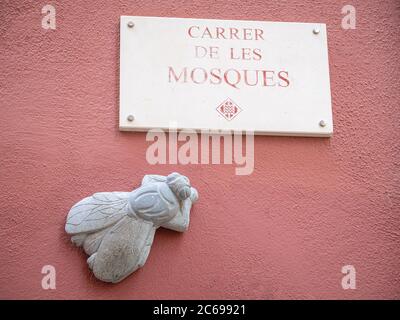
(116,229)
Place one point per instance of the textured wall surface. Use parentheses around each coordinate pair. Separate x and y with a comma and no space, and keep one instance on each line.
(311,206)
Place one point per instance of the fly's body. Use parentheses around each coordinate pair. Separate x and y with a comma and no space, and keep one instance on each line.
(116,229)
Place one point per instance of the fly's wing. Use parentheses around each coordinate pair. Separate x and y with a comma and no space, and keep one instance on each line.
(123,250)
(97,212)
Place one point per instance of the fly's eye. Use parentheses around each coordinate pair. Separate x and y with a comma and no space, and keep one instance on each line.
(184,193)
(187,181)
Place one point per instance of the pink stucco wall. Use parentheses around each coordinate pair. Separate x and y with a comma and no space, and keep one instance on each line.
(311,206)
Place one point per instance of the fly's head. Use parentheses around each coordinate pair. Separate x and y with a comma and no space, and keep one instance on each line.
(180,185)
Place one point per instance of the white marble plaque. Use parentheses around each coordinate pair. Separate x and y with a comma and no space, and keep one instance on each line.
(267,77)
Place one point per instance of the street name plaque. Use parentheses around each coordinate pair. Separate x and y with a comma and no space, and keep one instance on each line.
(225,75)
